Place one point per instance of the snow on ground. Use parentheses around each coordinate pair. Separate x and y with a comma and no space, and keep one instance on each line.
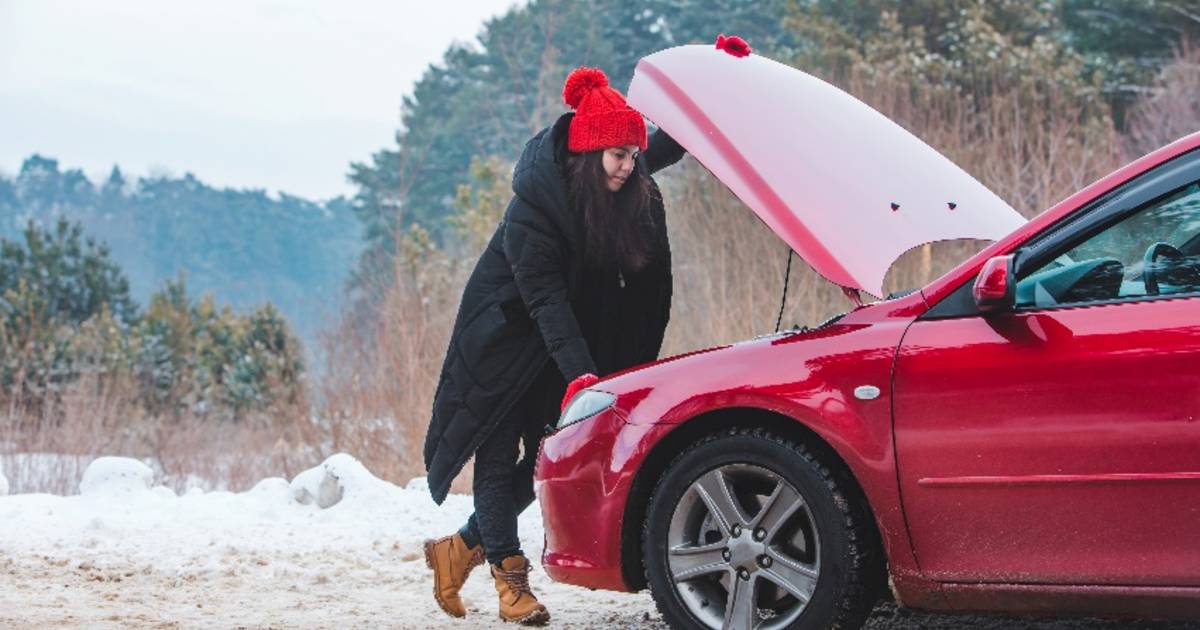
(124,552)
(127,553)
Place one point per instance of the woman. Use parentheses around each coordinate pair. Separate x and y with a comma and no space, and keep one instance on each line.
(575,283)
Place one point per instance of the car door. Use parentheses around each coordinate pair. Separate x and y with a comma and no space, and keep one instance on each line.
(1059,442)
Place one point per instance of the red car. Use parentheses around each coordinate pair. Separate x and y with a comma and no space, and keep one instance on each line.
(1021,435)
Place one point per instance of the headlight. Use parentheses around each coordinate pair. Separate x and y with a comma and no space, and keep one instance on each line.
(586,404)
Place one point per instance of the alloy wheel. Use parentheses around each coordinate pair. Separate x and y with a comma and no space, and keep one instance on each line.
(742,549)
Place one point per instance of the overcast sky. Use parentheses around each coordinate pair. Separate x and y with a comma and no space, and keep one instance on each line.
(275,94)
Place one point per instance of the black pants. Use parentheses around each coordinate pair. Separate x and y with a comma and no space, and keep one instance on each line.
(503,486)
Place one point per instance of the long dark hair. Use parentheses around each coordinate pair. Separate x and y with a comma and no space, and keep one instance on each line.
(615,224)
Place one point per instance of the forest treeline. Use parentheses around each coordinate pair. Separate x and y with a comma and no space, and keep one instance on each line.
(245,246)
(67,320)
(486,98)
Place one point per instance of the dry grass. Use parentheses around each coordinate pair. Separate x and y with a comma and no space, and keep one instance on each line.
(1172,110)
(381,376)
(45,447)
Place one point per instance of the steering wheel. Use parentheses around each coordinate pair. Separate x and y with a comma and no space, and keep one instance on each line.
(1150,266)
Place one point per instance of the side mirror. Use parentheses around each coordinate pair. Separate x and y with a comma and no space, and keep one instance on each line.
(995,287)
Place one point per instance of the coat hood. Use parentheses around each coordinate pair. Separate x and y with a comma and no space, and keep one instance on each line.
(848,189)
(538,176)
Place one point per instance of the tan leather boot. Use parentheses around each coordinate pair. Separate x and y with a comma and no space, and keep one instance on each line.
(517,602)
(451,561)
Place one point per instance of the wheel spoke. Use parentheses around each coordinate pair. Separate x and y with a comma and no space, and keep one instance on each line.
(688,563)
(796,578)
(709,566)
(740,611)
(781,505)
(715,493)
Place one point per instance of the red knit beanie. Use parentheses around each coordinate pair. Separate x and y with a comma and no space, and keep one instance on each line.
(602,119)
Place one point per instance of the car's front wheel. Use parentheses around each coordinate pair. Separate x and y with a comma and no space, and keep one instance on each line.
(746,530)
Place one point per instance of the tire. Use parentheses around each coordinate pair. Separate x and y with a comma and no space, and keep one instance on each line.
(787,527)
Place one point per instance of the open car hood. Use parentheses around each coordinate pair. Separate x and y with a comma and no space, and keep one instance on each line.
(848,189)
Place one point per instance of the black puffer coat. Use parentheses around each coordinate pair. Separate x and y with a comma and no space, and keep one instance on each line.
(517,310)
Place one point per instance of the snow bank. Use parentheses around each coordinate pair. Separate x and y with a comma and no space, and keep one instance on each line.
(127,553)
(337,504)
(115,476)
(3,485)
(340,476)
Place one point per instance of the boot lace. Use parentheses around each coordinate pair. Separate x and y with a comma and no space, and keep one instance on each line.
(517,580)
(476,559)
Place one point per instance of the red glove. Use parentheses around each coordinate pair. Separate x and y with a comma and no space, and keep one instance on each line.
(587,380)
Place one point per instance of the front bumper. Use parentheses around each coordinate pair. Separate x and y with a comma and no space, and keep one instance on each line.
(583,502)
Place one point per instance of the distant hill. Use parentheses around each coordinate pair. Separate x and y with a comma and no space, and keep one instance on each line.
(243,246)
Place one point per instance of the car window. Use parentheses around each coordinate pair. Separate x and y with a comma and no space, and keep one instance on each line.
(1155,251)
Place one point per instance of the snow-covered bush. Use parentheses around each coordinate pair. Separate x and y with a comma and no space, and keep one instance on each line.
(115,475)
(340,476)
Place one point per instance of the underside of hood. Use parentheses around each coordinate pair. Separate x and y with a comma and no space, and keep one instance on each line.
(848,189)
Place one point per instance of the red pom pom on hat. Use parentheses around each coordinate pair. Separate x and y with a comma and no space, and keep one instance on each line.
(733,45)
(581,81)
(602,117)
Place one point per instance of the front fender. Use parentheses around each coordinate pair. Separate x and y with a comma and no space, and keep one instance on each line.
(809,379)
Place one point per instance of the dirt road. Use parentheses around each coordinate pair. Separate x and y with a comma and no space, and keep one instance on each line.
(235,587)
